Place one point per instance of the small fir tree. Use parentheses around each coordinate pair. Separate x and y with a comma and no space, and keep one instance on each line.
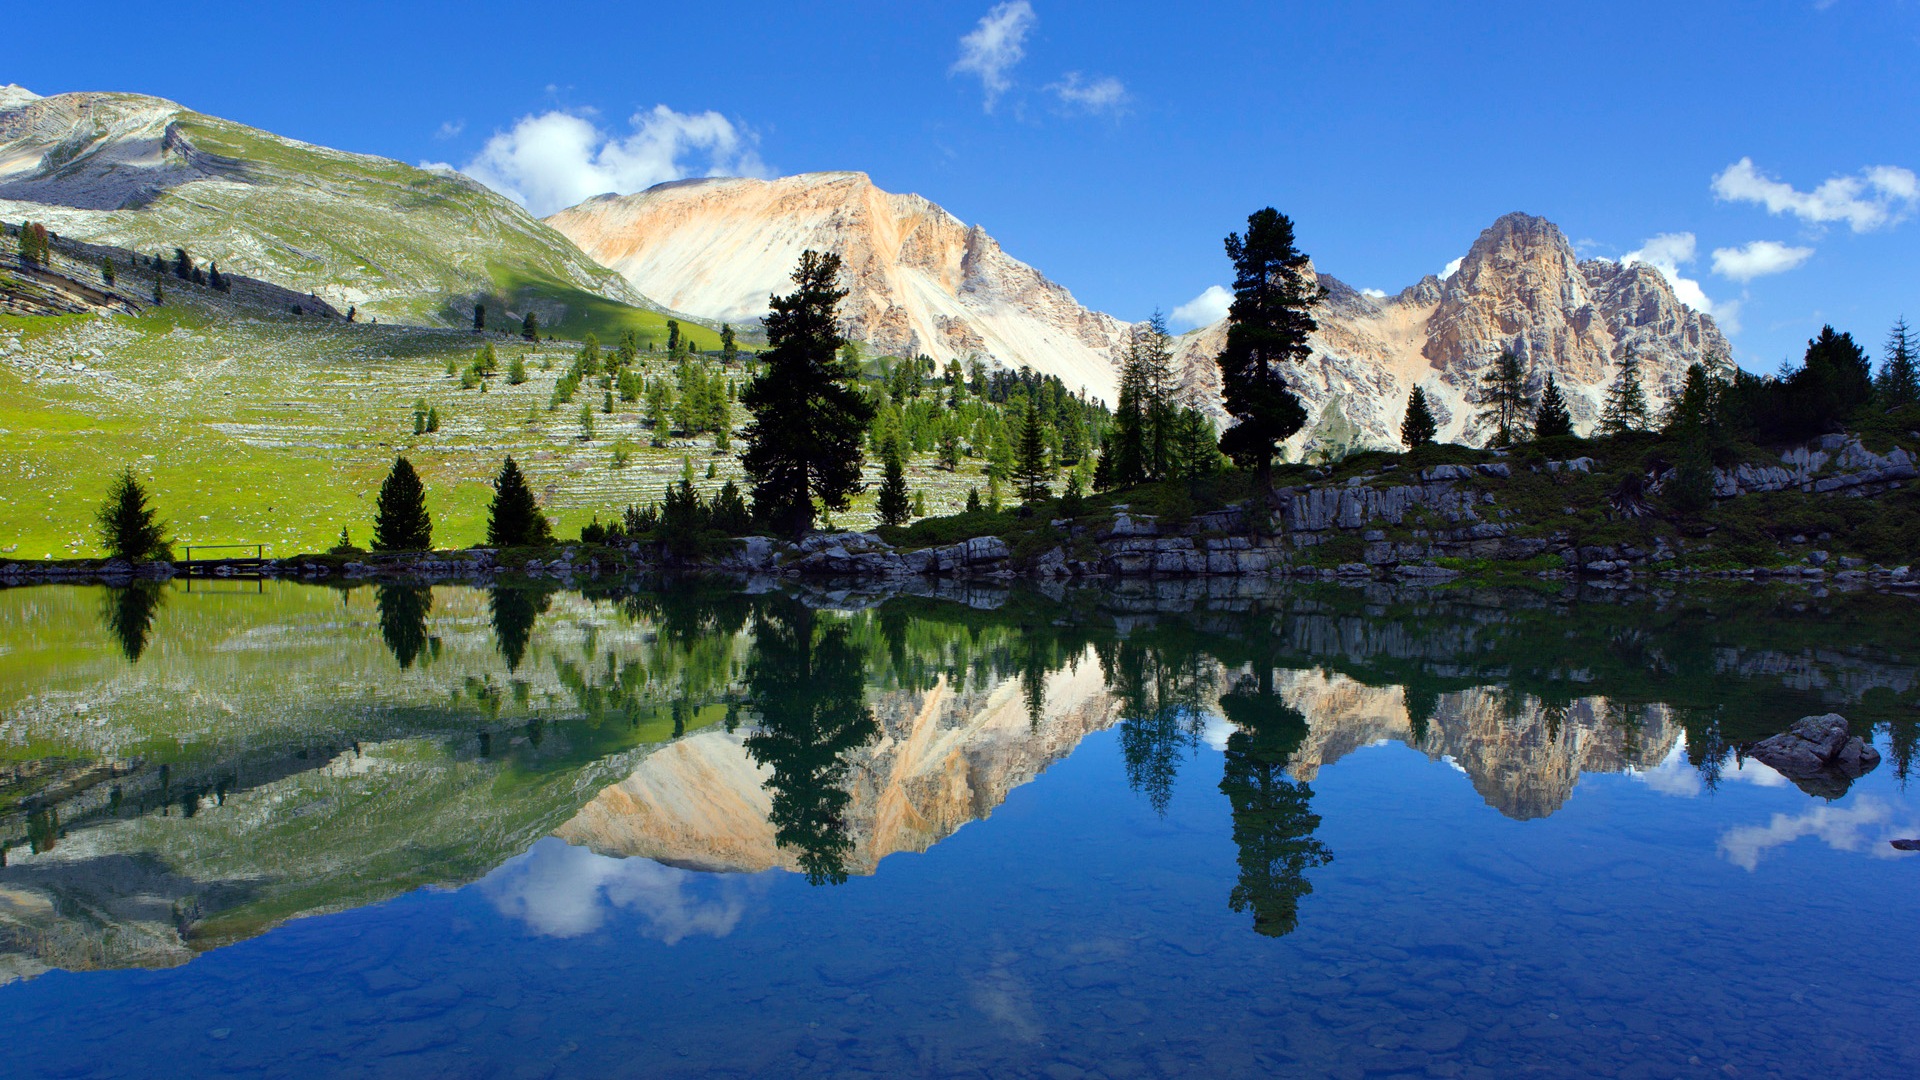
(433,419)
(513,518)
(129,528)
(400,521)
(517,372)
(1899,381)
(1031,471)
(530,327)
(159,290)
(1551,419)
(106,271)
(586,423)
(1417,429)
(973,500)
(1502,397)
(895,505)
(1626,408)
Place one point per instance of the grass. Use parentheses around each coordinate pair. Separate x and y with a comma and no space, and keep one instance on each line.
(269,428)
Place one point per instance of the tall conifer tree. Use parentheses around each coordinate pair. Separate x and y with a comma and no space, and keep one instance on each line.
(1626,409)
(804,440)
(1551,419)
(1502,397)
(513,518)
(1267,328)
(1418,428)
(401,522)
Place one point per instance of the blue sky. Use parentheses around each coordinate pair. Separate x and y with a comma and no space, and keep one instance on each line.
(1113,145)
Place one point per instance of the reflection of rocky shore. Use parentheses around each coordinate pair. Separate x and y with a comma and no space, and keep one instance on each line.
(1523,757)
(943,758)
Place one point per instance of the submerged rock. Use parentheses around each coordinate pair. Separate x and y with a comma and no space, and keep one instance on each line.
(1819,754)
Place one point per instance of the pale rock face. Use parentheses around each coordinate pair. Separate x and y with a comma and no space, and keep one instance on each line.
(942,759)
(1519,287)
(918,280)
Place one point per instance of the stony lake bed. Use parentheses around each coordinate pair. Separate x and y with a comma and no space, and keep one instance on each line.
(1148,829)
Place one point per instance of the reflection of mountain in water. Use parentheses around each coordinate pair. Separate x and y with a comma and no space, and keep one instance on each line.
(943,758)
(1523,756)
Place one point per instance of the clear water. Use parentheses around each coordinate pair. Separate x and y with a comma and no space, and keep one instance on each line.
(1124,834)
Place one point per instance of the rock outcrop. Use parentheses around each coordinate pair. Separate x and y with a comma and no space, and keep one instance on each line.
(1819,754)
(918,279)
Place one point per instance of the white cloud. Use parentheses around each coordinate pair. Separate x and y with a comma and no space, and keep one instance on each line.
(450,128)
(554,160)
(1377,294)
(994,46)
(1675,775)
(1864,826)
(437,166)
(1667,253)
(1204,310)
(1758,259)
(1102,95)
(1879,196)
(1451,268)
(559,890)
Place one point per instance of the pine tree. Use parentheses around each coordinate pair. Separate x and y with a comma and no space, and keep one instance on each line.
(673,338)
(973,500)
(950,448)
(1552,420)
(159,292)
(1417,429)
(513,518)
(729,348)
(804,440)
(895,505)
(1899,382)
(182,264)
(517,372)
(1626,408)
(586,423)
(433,419)
(1267,328)
(219,281)
(479,317)
(106,271)
(1031,472)
(1691,412)
(129,528)
(530,327)
(400,521)
(1502,397)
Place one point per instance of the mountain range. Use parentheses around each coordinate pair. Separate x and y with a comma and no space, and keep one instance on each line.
(423,245)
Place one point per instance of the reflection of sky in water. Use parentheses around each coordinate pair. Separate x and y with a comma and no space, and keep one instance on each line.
(559,890)
(1860,824)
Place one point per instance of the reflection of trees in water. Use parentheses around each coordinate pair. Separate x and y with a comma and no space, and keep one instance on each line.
(1160,690)
(128,614)
(403,620)
(514,611)
(1273,821)
(808,684)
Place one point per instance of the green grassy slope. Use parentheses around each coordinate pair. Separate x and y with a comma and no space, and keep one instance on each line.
(401,243)
(262,427)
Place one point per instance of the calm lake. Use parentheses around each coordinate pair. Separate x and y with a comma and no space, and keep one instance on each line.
(1150,830)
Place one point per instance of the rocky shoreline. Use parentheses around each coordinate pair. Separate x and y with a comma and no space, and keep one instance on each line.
(1418,525)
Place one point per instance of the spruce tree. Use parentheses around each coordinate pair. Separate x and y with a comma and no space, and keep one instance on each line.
(400,521)
(896,505)
(804,440)
(1502,397)
(1691,413)
(1626,408)
(479,317)
(973,500)
(1899,382)
(514,519)
(530,327)
(159,293)
(1031,472)
(517,372)
(1551,419)
(1268,327)
(729,348)
(1417,429)
(182,264)
(106,271)
(129,528)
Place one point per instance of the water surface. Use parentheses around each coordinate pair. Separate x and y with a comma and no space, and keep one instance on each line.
(1162,830)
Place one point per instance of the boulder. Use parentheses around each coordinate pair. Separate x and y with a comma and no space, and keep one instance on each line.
(1819,754)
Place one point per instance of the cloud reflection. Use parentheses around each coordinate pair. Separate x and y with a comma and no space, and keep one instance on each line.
(1864,826)
(559,890)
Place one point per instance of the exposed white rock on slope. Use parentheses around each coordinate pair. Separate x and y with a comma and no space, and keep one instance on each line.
(1519,287)
(918,279)
(399,242)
